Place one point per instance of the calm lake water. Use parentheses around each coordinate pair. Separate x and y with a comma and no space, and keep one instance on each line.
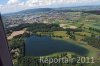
(41,46)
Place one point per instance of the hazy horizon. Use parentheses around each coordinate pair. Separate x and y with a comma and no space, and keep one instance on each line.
(10,6)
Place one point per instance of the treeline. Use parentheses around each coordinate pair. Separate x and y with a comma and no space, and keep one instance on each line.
(41,27)
(94,29)
(35,61)
(36,27)
(93,41)
(93,12)
(16,28)
(17,47)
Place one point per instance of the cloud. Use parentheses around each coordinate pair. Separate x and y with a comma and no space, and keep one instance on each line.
(34,3)
(11,6)
(88,1)
(13,2)
(76,1)
(15,5)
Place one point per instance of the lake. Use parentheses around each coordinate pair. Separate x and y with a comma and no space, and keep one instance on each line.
(42,46)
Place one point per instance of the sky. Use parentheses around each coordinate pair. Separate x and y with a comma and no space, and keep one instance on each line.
(8,6)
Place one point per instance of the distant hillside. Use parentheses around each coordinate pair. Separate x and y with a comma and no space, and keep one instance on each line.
(31,11)
(62,9)
(50,15)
